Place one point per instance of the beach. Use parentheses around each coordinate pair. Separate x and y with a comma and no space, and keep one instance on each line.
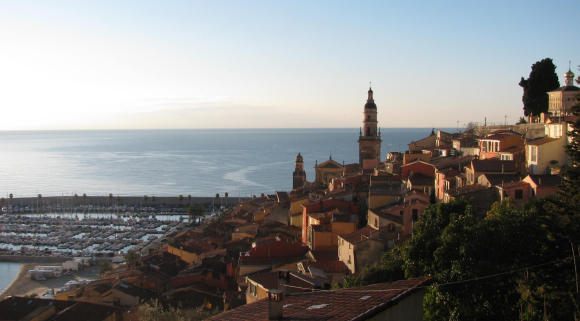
(23,285)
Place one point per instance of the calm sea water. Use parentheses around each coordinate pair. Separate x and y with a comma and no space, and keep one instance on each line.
(8,272)
(172,162)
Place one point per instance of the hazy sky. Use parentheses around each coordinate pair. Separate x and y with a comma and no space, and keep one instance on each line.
(188,64)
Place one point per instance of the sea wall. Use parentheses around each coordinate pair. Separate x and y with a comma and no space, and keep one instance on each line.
(85,203)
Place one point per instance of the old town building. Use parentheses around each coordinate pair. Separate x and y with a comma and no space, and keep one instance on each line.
(562,99)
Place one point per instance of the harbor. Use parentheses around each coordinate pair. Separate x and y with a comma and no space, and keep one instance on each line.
(88,234)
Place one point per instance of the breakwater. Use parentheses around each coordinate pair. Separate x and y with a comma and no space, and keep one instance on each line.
(149,204)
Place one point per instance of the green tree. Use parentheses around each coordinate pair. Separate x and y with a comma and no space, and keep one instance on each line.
(104,267)
(571,174)
(512,264)
(155,311)
(542,79)
(132,257)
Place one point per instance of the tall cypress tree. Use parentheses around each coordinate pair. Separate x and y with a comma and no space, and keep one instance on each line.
(571,175)
(542,79)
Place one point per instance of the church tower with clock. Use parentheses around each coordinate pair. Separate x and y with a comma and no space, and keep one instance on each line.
(369,141)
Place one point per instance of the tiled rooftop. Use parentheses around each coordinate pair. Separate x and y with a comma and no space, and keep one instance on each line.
(345,304)
(546,180)
(493,165)
(359,235)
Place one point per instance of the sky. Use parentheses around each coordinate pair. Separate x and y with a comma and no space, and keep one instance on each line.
(274,64)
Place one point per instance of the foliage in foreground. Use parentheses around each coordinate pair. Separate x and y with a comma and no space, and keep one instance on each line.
(506,266)
(157,312)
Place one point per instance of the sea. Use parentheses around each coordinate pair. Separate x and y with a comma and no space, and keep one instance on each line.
(200,162)
(242,162)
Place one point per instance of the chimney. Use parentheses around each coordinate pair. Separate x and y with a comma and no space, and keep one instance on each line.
(275,304)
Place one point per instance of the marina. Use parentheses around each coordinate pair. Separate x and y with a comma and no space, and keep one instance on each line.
(86,234)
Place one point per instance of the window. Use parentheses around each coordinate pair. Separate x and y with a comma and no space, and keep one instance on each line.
(376,222)
(533,153)
(349,259)
(415,215)
(253,289)
(519,194)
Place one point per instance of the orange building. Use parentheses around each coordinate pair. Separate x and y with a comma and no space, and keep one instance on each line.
(322,206)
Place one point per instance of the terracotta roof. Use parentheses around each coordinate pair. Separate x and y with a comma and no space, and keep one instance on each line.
(541,141)
(546,180)
(499,179)
(501,135)
(392,217)
(467,189)
(277,251)
(277,280)
(514,184)
(344,304)
(420,179)
(451,162)
(330,266)
(493,165)
(359,235)
(512,149)
(18,308)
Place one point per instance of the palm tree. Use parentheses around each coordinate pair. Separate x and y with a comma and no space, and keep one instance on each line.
(38,200)
(194,211)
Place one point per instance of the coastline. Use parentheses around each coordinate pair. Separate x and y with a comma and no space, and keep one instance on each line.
(13,286)
(22,284)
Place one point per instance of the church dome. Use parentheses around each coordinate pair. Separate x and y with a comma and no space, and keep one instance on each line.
(569,78)
(370,101)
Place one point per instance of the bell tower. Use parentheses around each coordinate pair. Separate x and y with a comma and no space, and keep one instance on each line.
(369,141)
(299,176)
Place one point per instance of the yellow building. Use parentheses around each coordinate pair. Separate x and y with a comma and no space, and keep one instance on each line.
(326,171)
(188,257)
(360,248)
(542,153)
(296,209)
